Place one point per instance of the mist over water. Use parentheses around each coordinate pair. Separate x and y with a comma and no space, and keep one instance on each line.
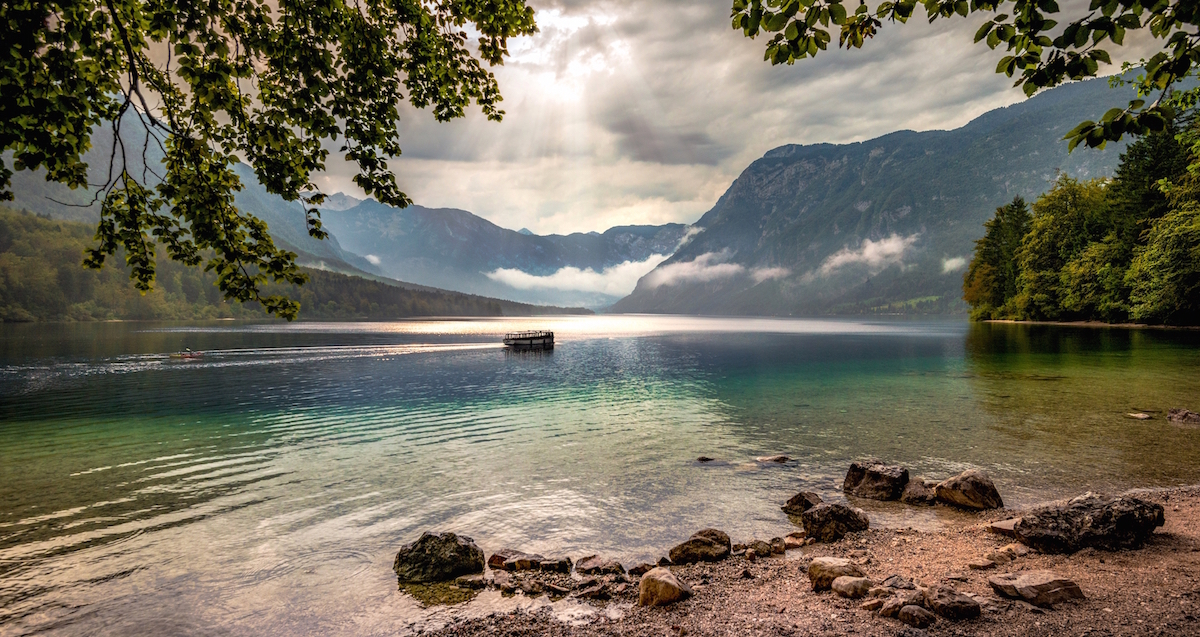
(264,488)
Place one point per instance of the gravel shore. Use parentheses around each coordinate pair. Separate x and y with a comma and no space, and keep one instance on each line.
(1151,591)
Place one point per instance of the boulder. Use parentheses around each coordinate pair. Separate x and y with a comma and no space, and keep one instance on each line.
(438,558)
(793,542)
(951,604)
(497,560)
(920,492)
(823,570)
(556,565)
(915,616)
(971,489)
(709,545)
(1183,417)
(760,548)
(778,546)
(596,565)
(659,587)
(892,605)
(1090,520)
(801,502)
(831,522)
(1040,588)
(851,587)
(1004,527)
(875,480)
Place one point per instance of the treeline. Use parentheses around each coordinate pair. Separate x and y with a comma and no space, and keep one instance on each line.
(1125,249)
(42,279)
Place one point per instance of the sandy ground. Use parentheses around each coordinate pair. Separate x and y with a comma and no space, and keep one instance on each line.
(1151,591)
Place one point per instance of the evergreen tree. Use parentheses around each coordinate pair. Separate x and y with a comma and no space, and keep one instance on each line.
(991,278)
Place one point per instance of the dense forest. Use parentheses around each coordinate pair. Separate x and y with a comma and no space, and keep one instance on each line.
(1125,249)
(42,279)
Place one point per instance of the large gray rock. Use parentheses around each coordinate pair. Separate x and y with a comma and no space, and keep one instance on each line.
(919,491)
(823,570)
(971,489)
(660,587)
(801,502)
(875,480)
(438,558)
(1090,520)
(1040,588)
(951,604)
(831,522)
(851,587)
(709,545)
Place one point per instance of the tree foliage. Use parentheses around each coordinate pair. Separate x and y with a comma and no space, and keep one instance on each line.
(277,83)
(1121,250)
(991,277)
(1042,47)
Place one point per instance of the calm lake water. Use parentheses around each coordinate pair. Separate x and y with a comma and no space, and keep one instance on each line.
(264,489)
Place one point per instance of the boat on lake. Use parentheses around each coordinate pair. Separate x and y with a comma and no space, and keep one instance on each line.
(537,339)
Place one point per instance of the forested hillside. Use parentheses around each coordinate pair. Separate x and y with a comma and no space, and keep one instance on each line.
(42,279)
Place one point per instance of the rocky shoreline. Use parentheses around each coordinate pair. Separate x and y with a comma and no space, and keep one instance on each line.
(1089,565)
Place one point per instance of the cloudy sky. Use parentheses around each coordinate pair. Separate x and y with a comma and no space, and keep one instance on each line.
(643,112)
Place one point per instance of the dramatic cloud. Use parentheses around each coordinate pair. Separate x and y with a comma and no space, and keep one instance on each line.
(876,255)
(616,280)
(644,111)
(953,265)
(709,266)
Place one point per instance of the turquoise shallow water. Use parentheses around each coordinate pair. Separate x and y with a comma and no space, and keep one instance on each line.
(264,488)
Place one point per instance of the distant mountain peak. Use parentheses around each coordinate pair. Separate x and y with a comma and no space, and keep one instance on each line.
(340,201)
(525,231)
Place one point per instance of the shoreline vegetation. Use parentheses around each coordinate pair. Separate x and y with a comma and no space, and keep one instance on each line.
(1095,324)
(1117,251)
(42,279)
(1093,564)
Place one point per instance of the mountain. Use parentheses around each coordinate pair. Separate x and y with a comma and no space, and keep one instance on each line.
(885,225)
(456,250)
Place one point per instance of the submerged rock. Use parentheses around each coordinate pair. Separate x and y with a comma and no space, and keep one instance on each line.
(556,565)
(708,545)
(1183,417)
(875,480)
(823,570)
(1090,520)
(523,562)
(660,587)
(920,492)
(801,502)
(971,489)
(438,558)
(596,565)
(1040,588)
(778,458)
(497,560)
(831,522)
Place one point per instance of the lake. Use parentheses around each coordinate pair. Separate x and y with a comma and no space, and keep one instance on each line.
(264,488)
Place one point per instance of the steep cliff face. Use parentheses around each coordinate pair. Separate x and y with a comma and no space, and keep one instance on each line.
(456,250)
(848,228)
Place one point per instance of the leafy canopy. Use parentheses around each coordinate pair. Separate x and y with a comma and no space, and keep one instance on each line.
(1040,50)
(277,83)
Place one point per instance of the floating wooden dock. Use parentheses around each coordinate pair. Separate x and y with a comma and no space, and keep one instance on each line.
(538,339)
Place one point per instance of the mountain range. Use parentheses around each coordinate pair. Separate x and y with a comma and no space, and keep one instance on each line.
(881,225)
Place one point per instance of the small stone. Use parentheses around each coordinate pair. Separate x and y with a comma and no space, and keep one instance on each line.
(981,565)
(597,591)
(790,542)
(704,459)
(1138,416)
(556,591)
(641,569)
(531,588)
(762,549)
(497,560)
(664,561)
(777,458)
(474,582)
(708,545)
(1004,527)
(523,562)
(556,565)
(823,570)
(1040,588)
(851,587)
(594,564)
(872,604)
(875,480)
(801,502)
(659,587)
(880,591)
(951,604)
(746,574)
(915,616)
(751,555)
(831,522)
(971,489)
(778,546)
(899,582)
(892,605)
